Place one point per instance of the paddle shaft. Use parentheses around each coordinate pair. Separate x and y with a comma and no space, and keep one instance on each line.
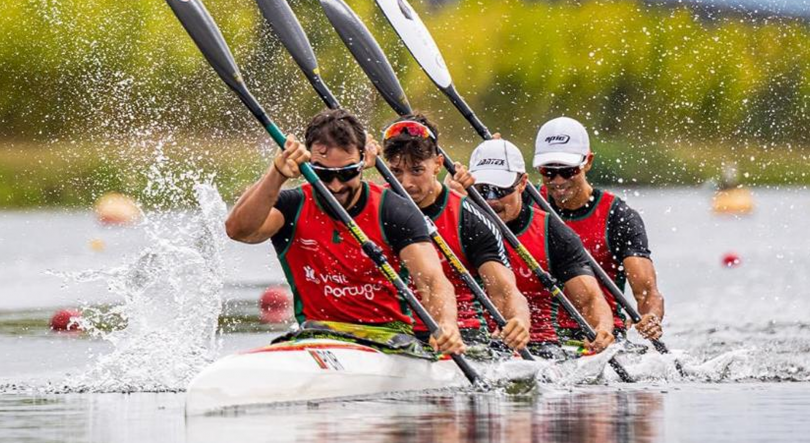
(290,30)
(208,38)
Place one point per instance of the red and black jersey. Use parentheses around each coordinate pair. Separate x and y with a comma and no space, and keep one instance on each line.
(533,236)
(474,240)
(592,227)
(330,275)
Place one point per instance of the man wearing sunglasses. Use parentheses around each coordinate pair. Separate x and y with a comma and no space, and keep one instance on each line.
(331,277)
(613,232)
(410,148)
(500,176)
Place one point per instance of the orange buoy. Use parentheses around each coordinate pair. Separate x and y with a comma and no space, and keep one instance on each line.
(737,201)
(97,244)
(117,209)
(275,305)
(731,260)
(66,320)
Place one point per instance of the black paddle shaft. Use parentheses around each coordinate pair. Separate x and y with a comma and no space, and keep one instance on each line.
(206,35)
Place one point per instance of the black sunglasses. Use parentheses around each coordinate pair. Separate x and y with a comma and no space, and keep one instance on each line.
(343,173)
(565,172)
(492,192)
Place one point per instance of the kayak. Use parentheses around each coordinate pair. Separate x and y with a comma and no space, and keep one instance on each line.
(313,369)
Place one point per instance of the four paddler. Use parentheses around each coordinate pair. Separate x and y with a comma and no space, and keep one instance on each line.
(613,232)
(331,278)
(411,151)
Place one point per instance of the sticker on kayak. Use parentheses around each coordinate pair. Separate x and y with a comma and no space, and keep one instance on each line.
(325,359)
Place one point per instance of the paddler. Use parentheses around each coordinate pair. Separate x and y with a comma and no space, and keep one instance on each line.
(499,174)
(410,148)
(612,231)
(331,278)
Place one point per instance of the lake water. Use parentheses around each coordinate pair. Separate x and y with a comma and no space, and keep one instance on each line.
(743,335)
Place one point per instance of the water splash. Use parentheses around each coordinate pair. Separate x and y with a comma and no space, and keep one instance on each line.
(172,300)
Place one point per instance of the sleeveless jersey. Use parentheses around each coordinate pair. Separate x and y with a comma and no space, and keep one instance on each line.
(332,279)
(592,229)
(448,223)
(543,310)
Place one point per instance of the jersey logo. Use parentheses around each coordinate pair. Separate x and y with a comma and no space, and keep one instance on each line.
(309,245)
(336,238)
(309,275)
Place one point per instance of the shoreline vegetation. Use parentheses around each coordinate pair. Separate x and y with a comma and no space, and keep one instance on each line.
(88,90)
(162,174)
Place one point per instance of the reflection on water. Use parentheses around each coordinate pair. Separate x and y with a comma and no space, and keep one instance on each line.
(564,417)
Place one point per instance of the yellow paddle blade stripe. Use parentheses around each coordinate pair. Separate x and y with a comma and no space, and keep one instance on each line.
(389,272)
(357,232)
(454,261)
(527,257)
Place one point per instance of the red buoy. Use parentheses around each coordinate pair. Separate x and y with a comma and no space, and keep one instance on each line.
(731,260)
(66,320)
(275,305)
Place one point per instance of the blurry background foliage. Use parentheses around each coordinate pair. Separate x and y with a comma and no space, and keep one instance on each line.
(667,93)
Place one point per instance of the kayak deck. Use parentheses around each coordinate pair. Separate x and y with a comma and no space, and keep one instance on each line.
(312,369)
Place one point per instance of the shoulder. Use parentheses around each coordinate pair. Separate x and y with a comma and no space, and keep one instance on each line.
(290,199)
(621,214)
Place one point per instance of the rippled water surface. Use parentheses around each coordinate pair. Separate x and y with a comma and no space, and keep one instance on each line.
(743,334)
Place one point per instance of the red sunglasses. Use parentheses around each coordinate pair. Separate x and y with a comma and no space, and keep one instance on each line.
(410,127)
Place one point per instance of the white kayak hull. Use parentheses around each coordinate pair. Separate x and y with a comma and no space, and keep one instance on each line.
(312,369)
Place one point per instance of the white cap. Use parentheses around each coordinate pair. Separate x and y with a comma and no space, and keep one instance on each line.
(561,141)
(497,162)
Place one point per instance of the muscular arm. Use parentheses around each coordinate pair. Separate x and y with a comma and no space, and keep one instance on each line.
(641,276)
(437,293)
(587,297)
(253,219)
(500,285)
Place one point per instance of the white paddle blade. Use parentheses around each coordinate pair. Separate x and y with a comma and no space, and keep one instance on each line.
(417,39)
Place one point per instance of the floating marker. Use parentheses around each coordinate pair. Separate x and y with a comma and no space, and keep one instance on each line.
(117,209)
(275,305)
(731,260)
(66,320)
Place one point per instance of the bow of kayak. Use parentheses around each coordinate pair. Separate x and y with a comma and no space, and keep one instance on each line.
(313,369)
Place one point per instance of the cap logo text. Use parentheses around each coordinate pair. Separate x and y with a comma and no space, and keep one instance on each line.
(558,139)
(491,161)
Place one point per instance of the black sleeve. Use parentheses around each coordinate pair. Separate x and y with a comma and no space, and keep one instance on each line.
(567,257)
(480,238)
(402,224)
(288,203)
(626,235)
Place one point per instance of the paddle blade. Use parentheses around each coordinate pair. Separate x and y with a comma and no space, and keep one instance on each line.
(288,30)
(205,33)
(417,39)
(367,52)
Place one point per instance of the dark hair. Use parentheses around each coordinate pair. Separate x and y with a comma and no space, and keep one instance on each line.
(336,128)
(409,148)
